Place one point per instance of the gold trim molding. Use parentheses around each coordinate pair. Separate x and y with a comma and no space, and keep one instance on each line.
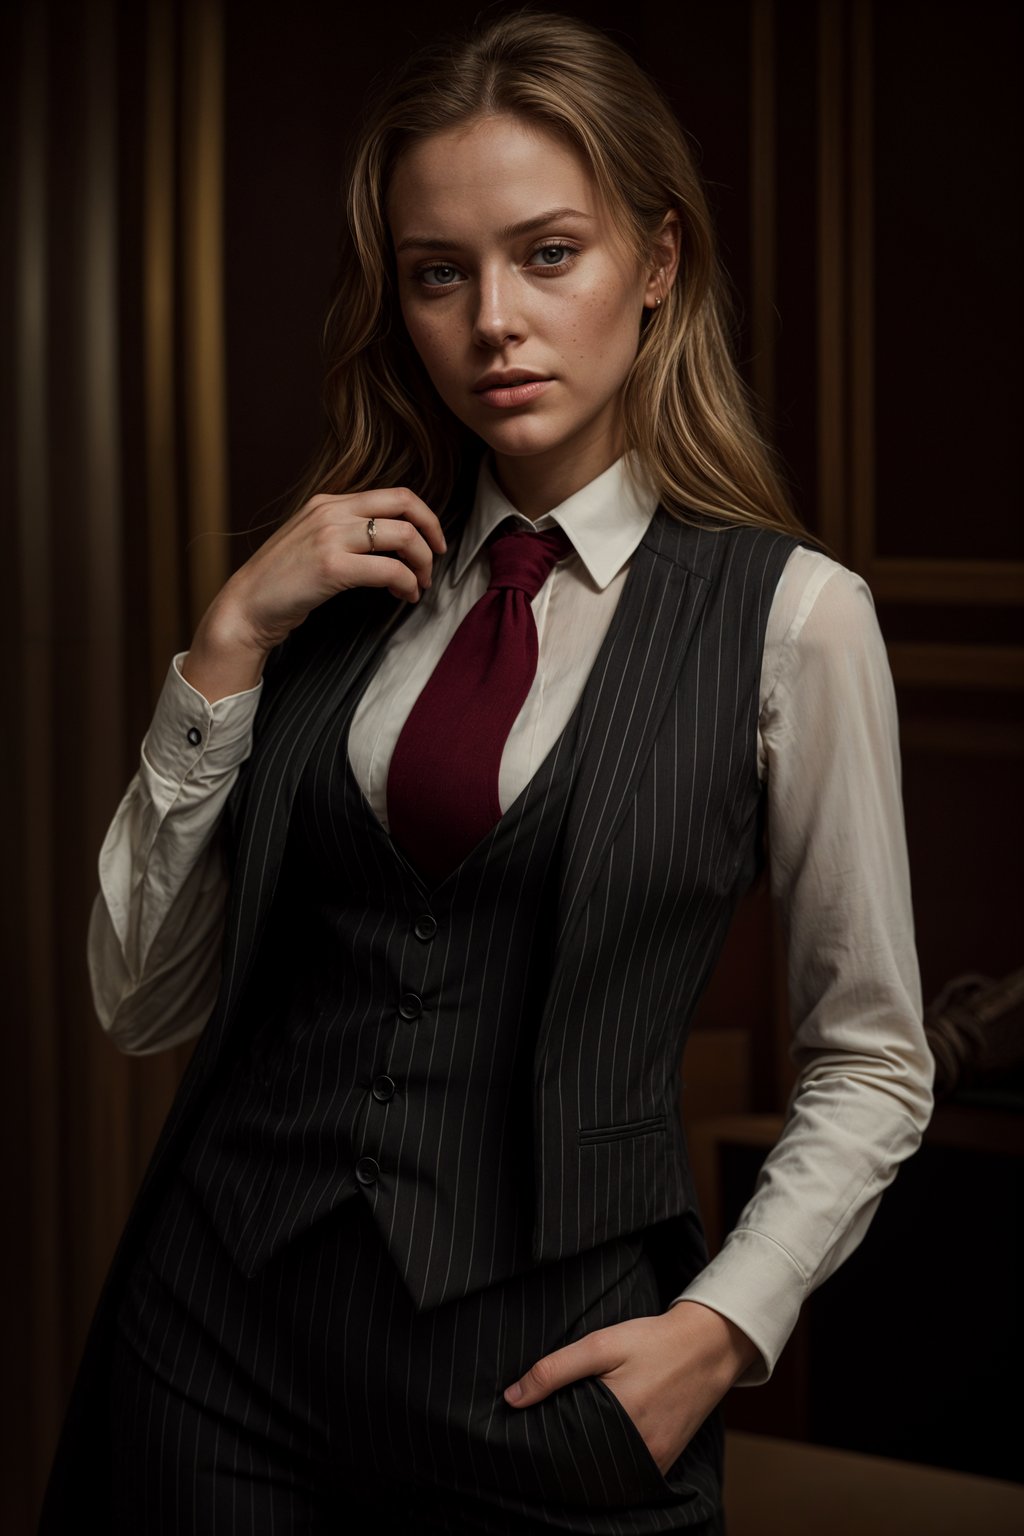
(205,364)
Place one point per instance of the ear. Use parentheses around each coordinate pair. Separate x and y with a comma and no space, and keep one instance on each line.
(666,248)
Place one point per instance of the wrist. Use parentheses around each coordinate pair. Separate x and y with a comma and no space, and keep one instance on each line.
(729,1351)
(223,658)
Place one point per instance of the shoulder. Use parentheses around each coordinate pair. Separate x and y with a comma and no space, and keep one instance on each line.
(821,596)
(822,622)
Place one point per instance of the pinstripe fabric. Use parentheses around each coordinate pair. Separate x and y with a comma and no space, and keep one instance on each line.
(389,1044)
(661,841)
(649,840)
(314,1396)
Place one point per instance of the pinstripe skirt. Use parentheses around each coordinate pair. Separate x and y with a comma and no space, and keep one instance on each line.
(312,1397)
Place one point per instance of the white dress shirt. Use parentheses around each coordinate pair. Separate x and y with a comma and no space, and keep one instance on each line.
(828,753)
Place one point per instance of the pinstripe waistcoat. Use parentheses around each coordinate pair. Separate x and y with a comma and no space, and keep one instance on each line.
(655,834)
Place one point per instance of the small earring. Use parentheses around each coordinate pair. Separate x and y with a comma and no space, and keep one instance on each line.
(656,303)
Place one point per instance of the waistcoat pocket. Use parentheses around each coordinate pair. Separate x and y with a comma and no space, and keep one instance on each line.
(621,1175)
(651,1125)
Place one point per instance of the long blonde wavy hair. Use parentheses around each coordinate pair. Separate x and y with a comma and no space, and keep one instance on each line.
(686,411)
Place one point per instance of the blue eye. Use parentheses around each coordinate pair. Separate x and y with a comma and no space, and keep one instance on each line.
(425,270)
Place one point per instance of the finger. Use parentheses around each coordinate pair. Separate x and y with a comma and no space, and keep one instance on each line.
(546,1375)
(399,502)
(381,571)
(400,537)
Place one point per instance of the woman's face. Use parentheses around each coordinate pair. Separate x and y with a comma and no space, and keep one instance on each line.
(479,293)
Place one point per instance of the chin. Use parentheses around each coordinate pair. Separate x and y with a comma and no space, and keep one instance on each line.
(523,437)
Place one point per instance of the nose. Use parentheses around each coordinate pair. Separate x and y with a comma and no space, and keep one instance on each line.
(499,316)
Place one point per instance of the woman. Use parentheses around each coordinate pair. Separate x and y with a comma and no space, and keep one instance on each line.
(436,836)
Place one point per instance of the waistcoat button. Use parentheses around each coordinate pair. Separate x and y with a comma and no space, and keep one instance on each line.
(367,1169)
(383,1087)
(410,1005)
(426,927)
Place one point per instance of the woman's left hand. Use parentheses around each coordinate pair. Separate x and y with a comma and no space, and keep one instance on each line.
(668,1371)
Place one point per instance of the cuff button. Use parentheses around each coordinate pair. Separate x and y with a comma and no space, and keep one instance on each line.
(195,735)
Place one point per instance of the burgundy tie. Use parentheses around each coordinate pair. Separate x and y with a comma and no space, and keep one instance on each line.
(442,789)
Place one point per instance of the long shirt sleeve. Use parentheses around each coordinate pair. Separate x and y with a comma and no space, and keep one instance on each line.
(840,876)
(157,921)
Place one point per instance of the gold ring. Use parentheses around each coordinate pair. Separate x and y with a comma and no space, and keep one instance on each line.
(371,529)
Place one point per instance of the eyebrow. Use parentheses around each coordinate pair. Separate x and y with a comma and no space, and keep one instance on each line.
(510,231)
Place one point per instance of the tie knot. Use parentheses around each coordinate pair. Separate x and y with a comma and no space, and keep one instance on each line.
(523,560)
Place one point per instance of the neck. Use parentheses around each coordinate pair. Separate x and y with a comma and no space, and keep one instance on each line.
(537,482)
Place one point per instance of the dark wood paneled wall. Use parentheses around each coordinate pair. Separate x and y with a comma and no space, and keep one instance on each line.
(171,190)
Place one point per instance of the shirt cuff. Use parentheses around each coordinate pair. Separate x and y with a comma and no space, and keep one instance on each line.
(190,737)
(755,1283)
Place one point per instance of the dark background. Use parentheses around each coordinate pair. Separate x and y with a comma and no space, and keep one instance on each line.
(171,200)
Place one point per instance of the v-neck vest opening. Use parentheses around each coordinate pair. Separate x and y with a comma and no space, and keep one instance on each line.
(561,754)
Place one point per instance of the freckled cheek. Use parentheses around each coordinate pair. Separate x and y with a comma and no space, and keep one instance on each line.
(600,334)
(434,345)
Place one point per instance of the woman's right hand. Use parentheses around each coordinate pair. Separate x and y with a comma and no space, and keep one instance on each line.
(323,549)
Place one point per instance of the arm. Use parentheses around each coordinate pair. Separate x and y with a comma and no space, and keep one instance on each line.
(157,921)
(840,877)
(157,925)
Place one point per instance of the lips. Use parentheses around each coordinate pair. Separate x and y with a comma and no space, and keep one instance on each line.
(507,380)
(507,395)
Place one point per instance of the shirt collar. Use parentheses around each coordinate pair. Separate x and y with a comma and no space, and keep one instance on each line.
(605,519)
